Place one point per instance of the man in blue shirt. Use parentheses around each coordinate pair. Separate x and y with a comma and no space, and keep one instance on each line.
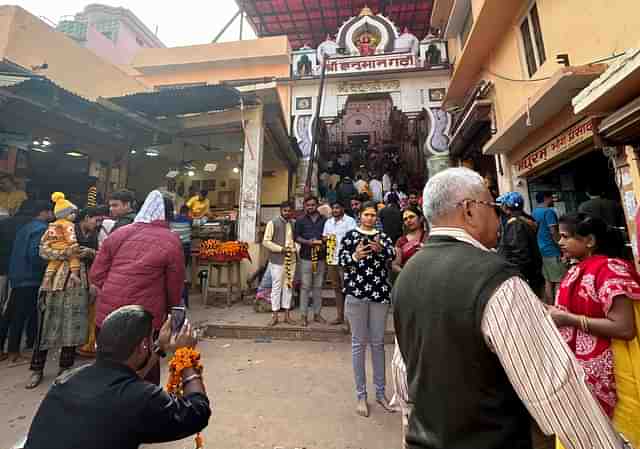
(553,268)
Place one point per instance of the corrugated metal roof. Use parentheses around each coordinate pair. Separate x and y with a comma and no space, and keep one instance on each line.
(187,100)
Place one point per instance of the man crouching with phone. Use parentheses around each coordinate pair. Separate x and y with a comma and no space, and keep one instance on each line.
(108,405)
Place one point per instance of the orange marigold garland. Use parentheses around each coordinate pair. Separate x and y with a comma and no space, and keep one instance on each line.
(184,358)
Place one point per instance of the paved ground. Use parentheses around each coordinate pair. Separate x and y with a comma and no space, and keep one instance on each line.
(266,395)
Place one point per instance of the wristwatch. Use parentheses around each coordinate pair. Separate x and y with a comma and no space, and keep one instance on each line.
(158,351)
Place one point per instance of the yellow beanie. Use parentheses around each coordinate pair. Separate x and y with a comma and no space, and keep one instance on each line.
(63,207)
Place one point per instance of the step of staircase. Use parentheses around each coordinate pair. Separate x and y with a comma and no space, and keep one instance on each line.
(331,334)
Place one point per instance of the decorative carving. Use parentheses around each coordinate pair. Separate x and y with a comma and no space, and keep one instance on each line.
(440,125)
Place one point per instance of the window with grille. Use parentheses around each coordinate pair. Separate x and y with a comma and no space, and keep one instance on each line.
(532,41)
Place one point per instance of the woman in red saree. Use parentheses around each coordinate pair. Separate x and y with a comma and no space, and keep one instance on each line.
(597,310)
(412,240)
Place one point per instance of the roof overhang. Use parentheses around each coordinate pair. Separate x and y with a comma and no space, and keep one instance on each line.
(476,118)
(618,85)
(175,102)
(35,101)
(554,95)
(489,27)
(623,126)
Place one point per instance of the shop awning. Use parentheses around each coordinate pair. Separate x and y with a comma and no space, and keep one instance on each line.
(188,100)
(476,118)
(618,85)
(623,126)
(555,95)
(309,21)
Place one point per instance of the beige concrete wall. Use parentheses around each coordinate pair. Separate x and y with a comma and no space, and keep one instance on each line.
(585,29)
(275,189)
(263,58)
(28,41)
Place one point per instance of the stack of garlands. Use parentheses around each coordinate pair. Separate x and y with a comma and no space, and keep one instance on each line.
(331,248)
(289,267)
(315,251)
(224,251)
(184,358)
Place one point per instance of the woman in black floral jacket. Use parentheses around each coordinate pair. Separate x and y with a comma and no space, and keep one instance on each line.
(366,254)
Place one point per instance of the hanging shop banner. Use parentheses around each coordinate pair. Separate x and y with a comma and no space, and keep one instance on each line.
(562,143)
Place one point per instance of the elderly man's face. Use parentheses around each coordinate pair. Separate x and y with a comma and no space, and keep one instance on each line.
(482,219)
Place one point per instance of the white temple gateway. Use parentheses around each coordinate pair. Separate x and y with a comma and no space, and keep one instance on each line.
(380,106)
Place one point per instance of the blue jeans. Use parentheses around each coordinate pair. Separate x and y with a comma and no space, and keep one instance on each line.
(368,322)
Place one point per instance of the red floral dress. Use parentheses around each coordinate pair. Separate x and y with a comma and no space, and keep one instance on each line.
(589,289)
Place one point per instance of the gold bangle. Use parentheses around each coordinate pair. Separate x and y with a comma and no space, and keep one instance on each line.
(586,325)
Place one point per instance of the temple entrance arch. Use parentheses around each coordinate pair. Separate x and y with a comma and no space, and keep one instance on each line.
(372,136)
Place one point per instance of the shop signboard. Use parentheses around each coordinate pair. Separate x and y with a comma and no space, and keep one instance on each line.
(560,144)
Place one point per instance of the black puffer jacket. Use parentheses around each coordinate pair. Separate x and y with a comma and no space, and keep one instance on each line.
(519,246)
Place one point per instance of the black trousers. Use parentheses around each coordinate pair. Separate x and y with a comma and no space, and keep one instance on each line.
(21,312)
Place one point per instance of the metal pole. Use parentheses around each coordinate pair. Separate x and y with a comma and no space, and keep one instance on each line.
(316,128)
(235,16)
(241,18)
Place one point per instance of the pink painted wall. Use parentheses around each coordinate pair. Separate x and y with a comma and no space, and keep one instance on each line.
(103,46)
(120,52)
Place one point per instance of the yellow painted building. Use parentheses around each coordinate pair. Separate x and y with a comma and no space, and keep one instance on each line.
(519,66)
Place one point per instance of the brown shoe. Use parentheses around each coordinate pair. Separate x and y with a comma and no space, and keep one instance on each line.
(274,320)
(304,322)
(319,319)
(363,408)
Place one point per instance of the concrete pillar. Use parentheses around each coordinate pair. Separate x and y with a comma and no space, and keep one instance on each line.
(251,184)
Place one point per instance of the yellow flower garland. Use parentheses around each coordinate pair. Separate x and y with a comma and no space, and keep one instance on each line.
(331,248)
(184,358)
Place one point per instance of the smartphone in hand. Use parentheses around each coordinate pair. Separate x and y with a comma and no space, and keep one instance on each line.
(178,317)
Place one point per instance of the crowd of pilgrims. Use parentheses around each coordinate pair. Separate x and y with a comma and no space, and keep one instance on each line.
(576,264)
(67,269)
(63,270)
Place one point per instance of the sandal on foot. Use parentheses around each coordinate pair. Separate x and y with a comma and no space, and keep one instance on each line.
(384,403)
(274,321)
(36,379)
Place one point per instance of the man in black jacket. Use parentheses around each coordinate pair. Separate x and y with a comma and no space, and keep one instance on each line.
(518,240)
(108,405)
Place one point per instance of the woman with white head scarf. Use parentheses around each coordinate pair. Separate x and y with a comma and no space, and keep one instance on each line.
(141,264)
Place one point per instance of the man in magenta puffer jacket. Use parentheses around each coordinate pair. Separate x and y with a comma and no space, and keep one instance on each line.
(141,264)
